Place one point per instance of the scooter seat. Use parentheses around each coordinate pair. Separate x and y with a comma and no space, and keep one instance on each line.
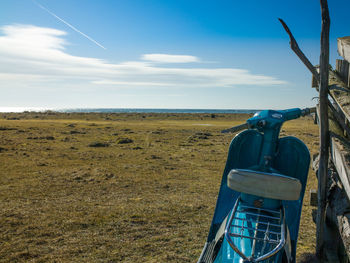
(267,185)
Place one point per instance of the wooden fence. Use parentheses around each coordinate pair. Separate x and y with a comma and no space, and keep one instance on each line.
(336,227)
(333,162)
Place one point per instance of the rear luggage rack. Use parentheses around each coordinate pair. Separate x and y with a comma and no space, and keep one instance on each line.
(264,228)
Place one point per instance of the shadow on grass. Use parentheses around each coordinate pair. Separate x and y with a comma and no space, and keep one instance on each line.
(308,258)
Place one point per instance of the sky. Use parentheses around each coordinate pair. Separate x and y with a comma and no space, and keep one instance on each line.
(161,53)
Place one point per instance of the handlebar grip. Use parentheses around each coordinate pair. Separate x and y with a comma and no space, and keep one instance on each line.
(308,111)
(236,128)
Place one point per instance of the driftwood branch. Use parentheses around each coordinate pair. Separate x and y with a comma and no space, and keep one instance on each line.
(324,130)
(340,108)
(337,87)
(338,116)
(295,47)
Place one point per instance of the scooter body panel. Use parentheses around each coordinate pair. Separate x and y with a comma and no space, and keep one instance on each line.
(292,159)
(244,152)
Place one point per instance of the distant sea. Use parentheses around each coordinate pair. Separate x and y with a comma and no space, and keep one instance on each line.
(126,110)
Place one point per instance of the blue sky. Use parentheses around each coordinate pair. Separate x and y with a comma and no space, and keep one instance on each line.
(161,54)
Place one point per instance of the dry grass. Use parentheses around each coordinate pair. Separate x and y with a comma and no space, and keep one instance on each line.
(117,187)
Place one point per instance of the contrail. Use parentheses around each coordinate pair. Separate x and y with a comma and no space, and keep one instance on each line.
(66,23)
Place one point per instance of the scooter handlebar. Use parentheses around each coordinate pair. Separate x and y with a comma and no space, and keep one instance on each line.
(290,114)
(236,128)
(296,113)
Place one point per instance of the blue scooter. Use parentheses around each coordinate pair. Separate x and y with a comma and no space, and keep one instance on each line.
(258,209)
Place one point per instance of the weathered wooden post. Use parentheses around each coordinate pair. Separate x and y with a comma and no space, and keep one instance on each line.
(323,130)
(322,79)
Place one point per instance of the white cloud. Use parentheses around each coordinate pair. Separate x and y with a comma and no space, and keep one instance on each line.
(29,36)
(166,58)
(37,55)
(139,84)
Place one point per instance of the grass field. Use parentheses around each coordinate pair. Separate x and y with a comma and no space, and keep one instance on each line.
(118,187)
